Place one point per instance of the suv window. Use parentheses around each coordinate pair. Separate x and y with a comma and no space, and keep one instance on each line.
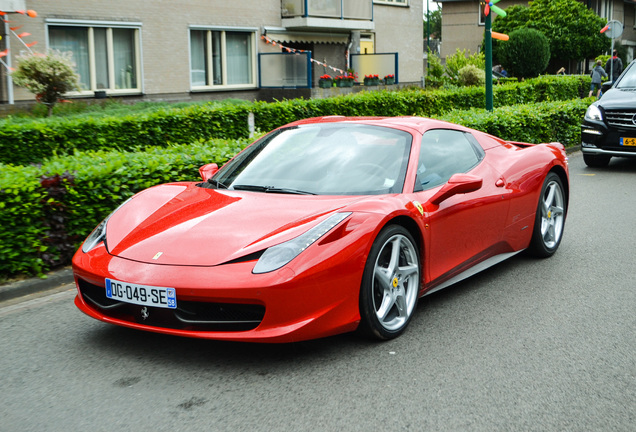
(445,152)
(628,79)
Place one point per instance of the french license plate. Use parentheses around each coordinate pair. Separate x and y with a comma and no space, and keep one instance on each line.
(628,141)
(141,294)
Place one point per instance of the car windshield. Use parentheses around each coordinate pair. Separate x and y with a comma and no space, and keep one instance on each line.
(628,79)
(322,159)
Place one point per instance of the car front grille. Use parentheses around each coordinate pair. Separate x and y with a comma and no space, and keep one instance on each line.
(196,316)
(621,118)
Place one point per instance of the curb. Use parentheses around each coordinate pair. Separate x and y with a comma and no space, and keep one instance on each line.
(34,285)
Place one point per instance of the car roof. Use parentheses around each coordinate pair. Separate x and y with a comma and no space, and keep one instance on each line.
(419,124)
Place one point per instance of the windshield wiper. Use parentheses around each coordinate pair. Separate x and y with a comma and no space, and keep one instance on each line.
(271,189)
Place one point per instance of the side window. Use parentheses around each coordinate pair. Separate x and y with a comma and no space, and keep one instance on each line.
(445,152)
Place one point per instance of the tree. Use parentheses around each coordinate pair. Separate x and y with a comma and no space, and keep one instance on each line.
(48,76)
(526,54)
(572,29)
(436,24)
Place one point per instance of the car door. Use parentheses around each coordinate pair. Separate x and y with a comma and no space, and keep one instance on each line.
(464,228)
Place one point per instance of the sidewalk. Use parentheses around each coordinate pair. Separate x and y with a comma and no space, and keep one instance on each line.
(54,279)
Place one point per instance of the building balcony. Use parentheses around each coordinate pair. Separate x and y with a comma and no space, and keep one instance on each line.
(338,15)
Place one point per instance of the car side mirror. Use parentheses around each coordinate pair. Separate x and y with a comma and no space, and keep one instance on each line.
(606,86)
(457,184)
(208,170)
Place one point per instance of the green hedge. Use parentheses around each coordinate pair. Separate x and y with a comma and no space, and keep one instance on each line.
(420,102)
(31,142)
(98,182)
(85,187)
(22,205)
(535,123)
(25,143)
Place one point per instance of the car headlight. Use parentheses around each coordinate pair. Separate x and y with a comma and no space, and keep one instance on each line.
(277,256)
(99,234)
(593,113)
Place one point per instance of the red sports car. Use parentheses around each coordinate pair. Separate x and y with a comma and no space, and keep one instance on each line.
(323,226)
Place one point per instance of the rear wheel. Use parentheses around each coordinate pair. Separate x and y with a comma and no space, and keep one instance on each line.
(596,161)
(550,218)
(390,284)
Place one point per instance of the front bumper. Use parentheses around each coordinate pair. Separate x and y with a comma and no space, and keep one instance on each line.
(227,302)
(599,139)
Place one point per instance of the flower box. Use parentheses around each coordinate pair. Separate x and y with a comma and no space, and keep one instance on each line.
(325,83)
(345,80)
(389,79)
(371,80)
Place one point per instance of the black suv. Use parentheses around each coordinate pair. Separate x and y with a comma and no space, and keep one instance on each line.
(609,127)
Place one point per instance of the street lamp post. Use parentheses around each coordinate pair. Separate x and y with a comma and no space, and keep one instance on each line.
(488,50)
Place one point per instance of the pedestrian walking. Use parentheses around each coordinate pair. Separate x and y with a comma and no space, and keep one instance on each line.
(597,73)
(614,66)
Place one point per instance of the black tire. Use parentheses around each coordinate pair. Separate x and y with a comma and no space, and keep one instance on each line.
(390,287)
(596,161)
(550,218)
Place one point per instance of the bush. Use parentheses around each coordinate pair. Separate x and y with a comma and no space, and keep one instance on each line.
(526,54)
(435,71)
(80,190)
(25,142)
(463,58)
(47,76)
(534,123)
(470,75)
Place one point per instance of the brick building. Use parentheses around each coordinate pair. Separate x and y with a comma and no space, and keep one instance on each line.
(208,49)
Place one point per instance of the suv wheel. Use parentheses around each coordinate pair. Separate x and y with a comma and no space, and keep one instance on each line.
(596,161)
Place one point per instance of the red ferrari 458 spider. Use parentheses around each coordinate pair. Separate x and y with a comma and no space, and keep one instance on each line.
(323,226)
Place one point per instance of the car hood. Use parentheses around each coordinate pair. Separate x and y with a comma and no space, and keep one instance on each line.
(183,224)
(618,98)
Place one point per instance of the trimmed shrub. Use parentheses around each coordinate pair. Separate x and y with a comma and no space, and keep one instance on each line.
(533,123)
(48,76)
(94,183)
(526,54)
(24,142)
(471,75)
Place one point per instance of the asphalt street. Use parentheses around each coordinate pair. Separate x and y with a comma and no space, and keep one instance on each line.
(528,345)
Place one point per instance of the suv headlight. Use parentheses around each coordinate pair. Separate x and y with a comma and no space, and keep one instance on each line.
(593,113)
(277,256)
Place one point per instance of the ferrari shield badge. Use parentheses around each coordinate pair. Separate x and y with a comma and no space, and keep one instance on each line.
(419,207)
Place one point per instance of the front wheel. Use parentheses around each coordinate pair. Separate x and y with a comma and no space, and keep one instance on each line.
(390,284)
(550,218)
(596,161)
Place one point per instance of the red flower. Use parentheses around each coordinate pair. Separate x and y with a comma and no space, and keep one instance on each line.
(325,77)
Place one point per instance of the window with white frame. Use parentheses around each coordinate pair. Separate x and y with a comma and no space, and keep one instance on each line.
(222,58)
(106,57)
(393,2)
